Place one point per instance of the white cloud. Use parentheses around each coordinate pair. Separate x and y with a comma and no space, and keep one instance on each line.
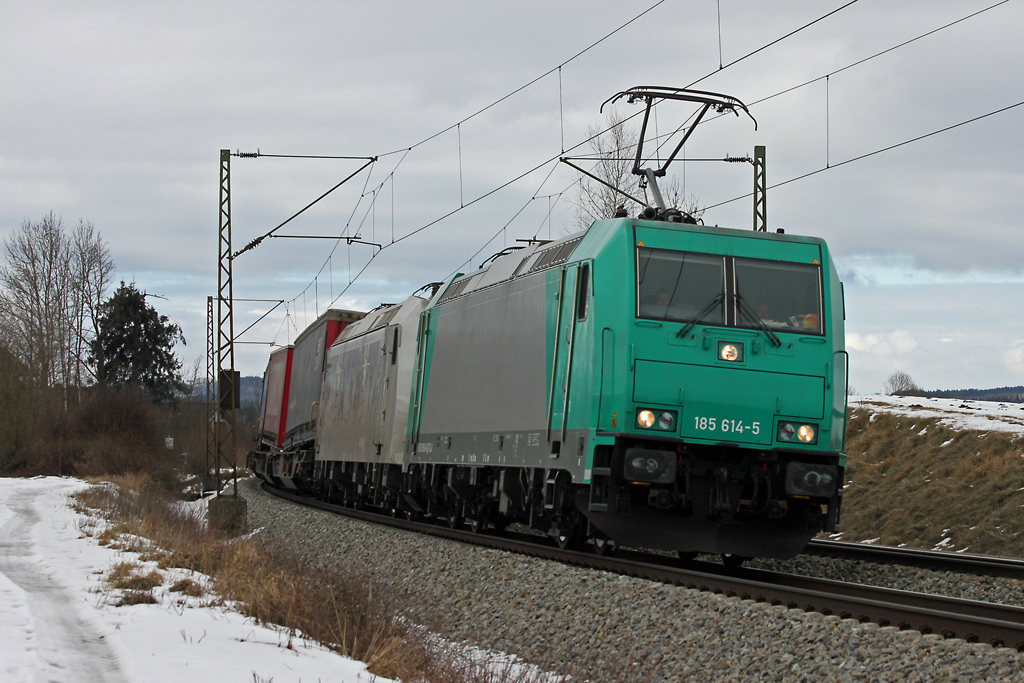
(902,342)
(890,268)
(895,343)
(1014,357)
(856,342)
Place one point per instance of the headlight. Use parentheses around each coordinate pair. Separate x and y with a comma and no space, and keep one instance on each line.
(786,431)
(730,351)
(804,433)
(648,465)
(662,420)
(811,480)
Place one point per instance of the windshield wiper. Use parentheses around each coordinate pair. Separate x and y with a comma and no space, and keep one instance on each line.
(756,319)
(704,312)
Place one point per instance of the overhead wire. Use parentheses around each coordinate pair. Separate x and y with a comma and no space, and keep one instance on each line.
(826,76)
(774,42)
(348,224)
(875,152)
(517,213)
(538,78)
(504,185)
(557,68)
(877,54)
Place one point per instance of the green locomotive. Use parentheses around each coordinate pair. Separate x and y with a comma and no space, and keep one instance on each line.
(656,384)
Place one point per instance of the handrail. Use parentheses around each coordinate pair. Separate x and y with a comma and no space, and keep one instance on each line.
(846,392)
(554,358)
(313,424)
(568,352)
(417,408)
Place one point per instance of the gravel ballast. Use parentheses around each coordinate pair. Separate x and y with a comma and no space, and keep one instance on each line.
(611,628)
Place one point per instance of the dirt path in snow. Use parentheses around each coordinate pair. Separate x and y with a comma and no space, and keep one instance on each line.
(49,630)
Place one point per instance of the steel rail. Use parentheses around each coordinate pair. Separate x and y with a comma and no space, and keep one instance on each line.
(970,620)
(982,565)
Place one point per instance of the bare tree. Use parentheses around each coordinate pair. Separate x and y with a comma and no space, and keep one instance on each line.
(615,151)
(35,296)
(93,273)
(900,383)
(14,408)
(51,285)
(672,192)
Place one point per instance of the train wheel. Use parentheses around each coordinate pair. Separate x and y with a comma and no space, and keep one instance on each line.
(567,539)
(603,546)
(454,515)
(730,560)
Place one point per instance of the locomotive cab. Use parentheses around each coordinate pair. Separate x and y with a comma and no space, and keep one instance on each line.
(721,428)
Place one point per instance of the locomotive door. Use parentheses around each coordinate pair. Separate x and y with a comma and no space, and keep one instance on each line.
(561,366)
(380,392)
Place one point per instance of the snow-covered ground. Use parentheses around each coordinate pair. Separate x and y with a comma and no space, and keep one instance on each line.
(956,413)
(58,622)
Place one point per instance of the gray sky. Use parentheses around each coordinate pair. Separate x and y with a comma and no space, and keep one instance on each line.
(115,113)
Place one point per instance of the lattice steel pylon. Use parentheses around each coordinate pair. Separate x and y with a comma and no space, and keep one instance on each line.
(760,191)
(211,382)
(227,396)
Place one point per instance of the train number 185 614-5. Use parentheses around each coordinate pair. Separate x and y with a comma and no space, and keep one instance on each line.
(711,424)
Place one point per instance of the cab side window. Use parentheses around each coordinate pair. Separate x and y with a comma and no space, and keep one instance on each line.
(583,293)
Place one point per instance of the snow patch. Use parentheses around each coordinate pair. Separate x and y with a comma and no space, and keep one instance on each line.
(984,416)
(64,619)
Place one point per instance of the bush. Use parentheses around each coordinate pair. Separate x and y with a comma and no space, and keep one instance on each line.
(112,431)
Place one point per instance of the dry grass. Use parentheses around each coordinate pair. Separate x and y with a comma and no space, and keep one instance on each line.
(136,598)
(125,576)
(336,608)
(187,587)
(913,481)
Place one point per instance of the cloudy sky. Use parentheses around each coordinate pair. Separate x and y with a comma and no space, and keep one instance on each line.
(115,113)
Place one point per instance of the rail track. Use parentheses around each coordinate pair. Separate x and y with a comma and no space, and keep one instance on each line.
(982,565)
(973,621)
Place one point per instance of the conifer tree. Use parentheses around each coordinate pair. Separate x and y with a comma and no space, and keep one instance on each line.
(134,346)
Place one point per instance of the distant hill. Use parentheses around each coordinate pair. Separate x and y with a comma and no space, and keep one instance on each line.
(1005,394)
(252,392)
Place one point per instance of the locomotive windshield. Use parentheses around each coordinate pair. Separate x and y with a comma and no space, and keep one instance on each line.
(690,287)
(782,296)
(679,285)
